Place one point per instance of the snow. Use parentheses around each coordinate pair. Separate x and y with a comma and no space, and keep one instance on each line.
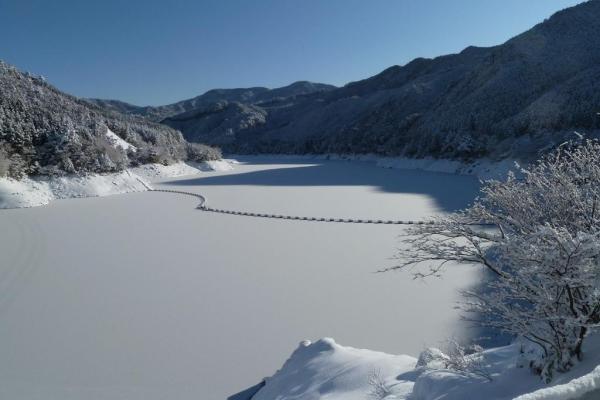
(118,142)
(483,168)
(32,192)
(586,384)
(142,296)
(24,193)
(38,191)
(157,171)
(327,370)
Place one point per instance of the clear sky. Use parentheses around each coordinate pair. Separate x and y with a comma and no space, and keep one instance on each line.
(151,52)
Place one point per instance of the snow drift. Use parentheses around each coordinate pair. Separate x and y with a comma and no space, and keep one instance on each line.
(324,369)
(37,191)
(327,370)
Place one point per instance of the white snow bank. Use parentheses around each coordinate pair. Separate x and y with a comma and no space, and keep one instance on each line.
(24,193)
(37,191)
(326,370)
(573,390)
(501,363)
(154,172)
(219,165)
(116,141)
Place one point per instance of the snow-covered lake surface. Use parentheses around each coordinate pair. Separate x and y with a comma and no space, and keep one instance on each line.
(141,296)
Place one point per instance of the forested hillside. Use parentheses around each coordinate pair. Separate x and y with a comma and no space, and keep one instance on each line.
(514,99)
(46,132)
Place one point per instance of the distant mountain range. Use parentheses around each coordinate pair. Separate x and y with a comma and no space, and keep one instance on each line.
(44,131)
(515,99)
(253,95)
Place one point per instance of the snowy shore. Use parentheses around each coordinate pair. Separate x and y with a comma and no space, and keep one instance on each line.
(38,191)
(483,168)
(325,369)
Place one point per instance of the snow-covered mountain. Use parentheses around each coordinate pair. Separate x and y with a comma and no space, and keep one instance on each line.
(514,99)
(44,131)
(253,95)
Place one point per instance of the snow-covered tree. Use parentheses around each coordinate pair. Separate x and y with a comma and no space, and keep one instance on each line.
(46,132)
(540,237)
(4,162)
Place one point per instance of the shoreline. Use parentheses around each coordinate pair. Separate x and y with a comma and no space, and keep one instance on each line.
(483,168)
(41,190)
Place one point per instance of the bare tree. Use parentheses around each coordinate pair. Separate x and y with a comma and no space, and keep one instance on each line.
(379,388)
(540,237)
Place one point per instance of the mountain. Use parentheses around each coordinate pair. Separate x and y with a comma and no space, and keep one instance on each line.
(241,95)
(46,132)
(115,105)
(514,99)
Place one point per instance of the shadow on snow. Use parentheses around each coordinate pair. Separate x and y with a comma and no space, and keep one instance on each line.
(450,192)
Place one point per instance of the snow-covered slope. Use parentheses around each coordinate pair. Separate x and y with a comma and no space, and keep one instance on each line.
(153,172)
(41,190)
(44,131)
(327,370)
(117,142)
(37,191)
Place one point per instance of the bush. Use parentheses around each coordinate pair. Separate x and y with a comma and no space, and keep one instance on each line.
(379,389)
(12,165)
(198,152)
(467,361)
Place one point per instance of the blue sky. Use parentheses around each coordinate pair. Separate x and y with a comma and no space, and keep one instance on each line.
(155,52)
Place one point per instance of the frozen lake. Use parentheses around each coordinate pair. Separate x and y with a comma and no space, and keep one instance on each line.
(141,296)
